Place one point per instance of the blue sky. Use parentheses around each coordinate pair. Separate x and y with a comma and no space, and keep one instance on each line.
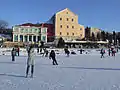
(102,14)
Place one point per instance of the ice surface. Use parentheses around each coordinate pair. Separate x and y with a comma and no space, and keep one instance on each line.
(77,72)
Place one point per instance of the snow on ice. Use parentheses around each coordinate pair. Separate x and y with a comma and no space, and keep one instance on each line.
(77,72)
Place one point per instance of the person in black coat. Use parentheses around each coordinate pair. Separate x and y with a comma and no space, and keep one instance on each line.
(67,51)
(13,54)
(18,51)
(52,55)
(109,51)
(81,51)
(102,52)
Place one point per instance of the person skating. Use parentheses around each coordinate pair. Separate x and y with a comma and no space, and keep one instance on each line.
(13,54)
(102,52)
(113,52)
(38,50)
(52,55)
(30,61)
(46,53)
(81,51)
(109,51)
(67,51)
(18,51)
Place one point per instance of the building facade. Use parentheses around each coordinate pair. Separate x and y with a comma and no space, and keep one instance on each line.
(95,31)
(67,26)
(50,31)
(29,33)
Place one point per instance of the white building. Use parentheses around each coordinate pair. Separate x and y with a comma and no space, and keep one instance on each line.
(95,31)
(29,33)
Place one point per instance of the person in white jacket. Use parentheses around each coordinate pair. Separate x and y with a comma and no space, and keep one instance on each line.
(30,60)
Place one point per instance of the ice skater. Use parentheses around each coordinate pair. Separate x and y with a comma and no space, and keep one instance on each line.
(67,51)
(30,61)
(81,51)
(109,51)
(13,54)
(52,55)
(102,52)
(46,53)
(18,51)
(113,52)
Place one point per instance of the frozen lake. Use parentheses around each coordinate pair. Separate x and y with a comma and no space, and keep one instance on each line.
(77,72)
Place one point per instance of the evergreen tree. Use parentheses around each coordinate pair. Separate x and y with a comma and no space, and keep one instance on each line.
(103,37)
(107,35)
(93,37)
(98,36)
(114,38)
(87,33)
(61,43)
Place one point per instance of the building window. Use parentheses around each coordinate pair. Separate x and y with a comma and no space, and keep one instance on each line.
(60,26)
(21,38)
(34,38)
(22,30)
(16,37)
(44,38)
(72,27)
(60,33)
(67,26)
(26,30)
(80,35)
(26,38)
(43,31)
(30,38)
(35,30)
(39,38)
(73,34)
(30,31)
(16,29)
(67,33)
(66,12)
(72,20)
(67,19)
(60,19)
(80,28)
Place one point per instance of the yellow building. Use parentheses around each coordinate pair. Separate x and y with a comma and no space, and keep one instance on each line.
(67,26)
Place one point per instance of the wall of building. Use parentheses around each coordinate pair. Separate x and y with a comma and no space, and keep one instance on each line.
(95,31)
(50,31)
(29,34)
(66,25)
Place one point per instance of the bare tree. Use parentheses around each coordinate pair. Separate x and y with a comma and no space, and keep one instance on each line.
(3,24)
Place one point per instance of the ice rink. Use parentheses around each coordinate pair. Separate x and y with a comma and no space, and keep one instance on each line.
(77,72)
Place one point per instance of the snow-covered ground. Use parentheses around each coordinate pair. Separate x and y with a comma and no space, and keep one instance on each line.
(77,72)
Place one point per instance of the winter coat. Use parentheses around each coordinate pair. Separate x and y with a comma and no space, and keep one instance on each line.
(27,48)
(102,51)
(52,55)
(31,54)
(13,53)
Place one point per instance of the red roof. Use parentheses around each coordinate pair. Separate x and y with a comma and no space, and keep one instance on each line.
(36,25)
(30,24)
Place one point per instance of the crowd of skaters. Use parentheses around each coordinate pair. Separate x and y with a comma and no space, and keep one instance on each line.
(111,51)
(52,55)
